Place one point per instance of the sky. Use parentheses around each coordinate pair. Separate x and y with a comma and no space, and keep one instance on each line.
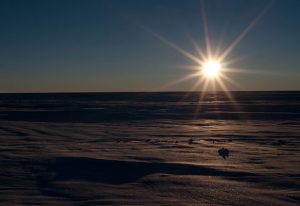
(109,45)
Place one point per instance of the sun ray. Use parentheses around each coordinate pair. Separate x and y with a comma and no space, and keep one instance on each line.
(236,84)
(213,83)
(245,71)
(233,60)
(206,32)
(174,46)
(229,95)
(244,32)
(199,50)
(198,82)
(190,67)
(200,99)
(219,46)
(192,89)
(180,50)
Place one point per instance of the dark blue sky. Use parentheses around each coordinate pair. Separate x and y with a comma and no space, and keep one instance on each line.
(88,45)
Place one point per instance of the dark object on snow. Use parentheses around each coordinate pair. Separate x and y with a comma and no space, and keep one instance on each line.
(191,141)
(223,152)
(280,142)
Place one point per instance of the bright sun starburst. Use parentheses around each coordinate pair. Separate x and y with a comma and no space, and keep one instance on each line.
(212,64)
(211,69)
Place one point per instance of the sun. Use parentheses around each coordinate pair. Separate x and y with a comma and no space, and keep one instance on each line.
(212,61)
(211,69)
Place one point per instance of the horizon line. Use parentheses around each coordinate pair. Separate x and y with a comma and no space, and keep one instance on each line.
(90,92)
